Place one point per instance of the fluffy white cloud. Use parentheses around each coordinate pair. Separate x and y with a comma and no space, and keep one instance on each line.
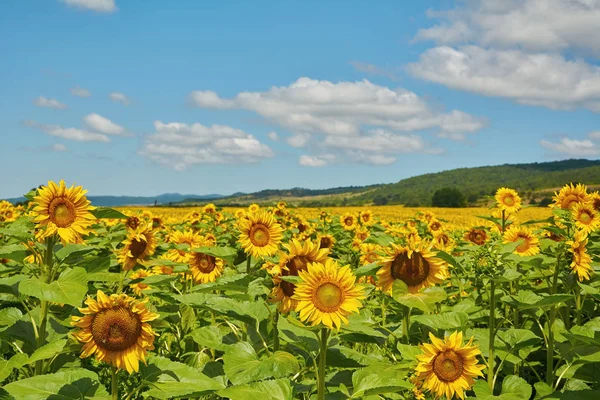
(59,147)
(371,69)
(68,133)
(538,25)
(572,147)
(273,136)
(120,98)
(80,92)
(314,161)
(103,125)
(594,135)
(42,101)
(537,79)
(298,140)
(181,145)
(103,6)
(309,106)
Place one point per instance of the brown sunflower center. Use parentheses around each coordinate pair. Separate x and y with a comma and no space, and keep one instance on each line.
(435,226)
(569,201)
(509,201)
(478,236)
(62,212)
(116,329)
(448,366)
(443,239)
(328,297)
(259,235)
(205,263)
(348,221)
(297,263)
(524,246)
(410,270)
(325,243)
(585,217)
(132,222)
(137,247)
(596,204)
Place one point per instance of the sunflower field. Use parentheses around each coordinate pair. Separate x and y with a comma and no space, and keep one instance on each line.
(277,303)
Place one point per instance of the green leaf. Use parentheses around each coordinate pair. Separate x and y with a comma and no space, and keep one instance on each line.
(47,351)
(518,338)
(297,334)
(209,336)
(238,283)
(8,317)
(515,387)
(15,252)
(424,300)
(73,250)
(16,361)
(21,229)
(170,379)
(192,299)
(276,389)
(107,212)
(188,317)
(225,253)
(69,288)
(408,351)
(243,366)
(446,321)
(526,299)
(75,384)
(291,278)
(245,311)
(365,270)
(378,380)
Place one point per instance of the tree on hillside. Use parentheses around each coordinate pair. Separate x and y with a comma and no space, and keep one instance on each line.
(448,197)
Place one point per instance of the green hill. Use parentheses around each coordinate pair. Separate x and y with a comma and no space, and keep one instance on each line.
(533,181)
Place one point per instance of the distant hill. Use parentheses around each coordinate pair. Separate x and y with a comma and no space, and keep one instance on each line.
(163,199)
(533,181)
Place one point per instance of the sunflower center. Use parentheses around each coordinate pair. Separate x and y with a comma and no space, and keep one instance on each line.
(348,221)
(435,226)
(328,297)
(205,263)
(116,329)
(448,366)
(569,201)
(137,247)
(585,218)
(509,201)
(523,246)
(325,243)
(410,270)
(596,204)
(259,235)
(298,263)
(62,212)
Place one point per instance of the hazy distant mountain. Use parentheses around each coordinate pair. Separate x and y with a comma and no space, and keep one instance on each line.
(116,201)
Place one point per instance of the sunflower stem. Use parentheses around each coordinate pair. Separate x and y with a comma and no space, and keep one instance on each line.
(383,309)
(275,331)
(115,383)
(503,221)
(47,276)
(551,318)
(322,364)
(492,334)
(248,264)
(406,323)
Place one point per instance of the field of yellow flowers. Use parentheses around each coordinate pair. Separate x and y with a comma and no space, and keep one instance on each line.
(275,303)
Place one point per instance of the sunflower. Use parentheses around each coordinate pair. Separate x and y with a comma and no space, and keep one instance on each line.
(366,217)
(368,253)
(326,241)
(570,195)
(362,234)
(139,245)
(327,294)
(586,217)
(581,263)
(260,235)
(188,237)
(476,236)
(348,221)
(210,208)
(240,213)
(508,200)
(435,226)
(448,367)
(116,329)
(529,246)
(253,208)
(595,200)
(204,268)
(139,287)
(162,270)
(281,205)
(415,265)
(63,211)
(132,222)
(443,242)
(299,255)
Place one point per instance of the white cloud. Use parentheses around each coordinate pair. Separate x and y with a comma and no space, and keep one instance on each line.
(181,145)
(573,147)
(103,6)
(371,69)
(80,92)
(103,125)
(538,25)
(298,140)
(42,101)
(594,135)
(314,161)
(119,98)
(59,147)
(273,136)
(68,133)
(536,79)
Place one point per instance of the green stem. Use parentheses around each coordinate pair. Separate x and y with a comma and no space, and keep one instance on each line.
(322,364)
(551,318)
(47,276)
(115,383)
(578,305)
(383,309)
(406,323)
(492,334)
(275,331)
(503,221)
(248,263)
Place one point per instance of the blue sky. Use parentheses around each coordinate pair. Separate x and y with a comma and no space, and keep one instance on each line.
(147,97)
